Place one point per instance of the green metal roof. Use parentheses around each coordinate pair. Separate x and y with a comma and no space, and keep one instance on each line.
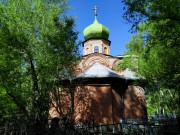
(96,30)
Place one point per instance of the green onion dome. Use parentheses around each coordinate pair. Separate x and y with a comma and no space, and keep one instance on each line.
(96,30)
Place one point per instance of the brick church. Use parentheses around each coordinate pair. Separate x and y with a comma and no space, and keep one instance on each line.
(99,92)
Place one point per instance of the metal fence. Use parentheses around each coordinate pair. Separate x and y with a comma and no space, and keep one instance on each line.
(125,127)
(132,127)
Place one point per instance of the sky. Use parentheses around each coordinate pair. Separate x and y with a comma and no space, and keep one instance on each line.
(109,14)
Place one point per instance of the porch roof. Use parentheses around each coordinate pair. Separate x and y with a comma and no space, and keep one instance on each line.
(98,70)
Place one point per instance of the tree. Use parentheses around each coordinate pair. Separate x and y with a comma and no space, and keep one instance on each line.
(134,50)
(159,24)
(38,44)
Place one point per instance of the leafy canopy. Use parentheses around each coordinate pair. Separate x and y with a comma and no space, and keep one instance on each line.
(157,24)
(37,45)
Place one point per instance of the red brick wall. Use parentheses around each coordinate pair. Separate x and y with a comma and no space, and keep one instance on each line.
(117,107)
(101,104)
(93,103)
(135,103)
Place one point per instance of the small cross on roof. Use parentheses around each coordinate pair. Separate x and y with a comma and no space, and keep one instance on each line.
(95,10)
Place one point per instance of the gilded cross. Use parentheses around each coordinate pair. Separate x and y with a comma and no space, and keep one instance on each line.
(95,10)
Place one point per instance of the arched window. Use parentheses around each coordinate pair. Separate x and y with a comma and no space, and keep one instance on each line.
(87,50)
(105,50)
(96,49)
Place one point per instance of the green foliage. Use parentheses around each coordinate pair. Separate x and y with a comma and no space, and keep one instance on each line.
(139,11)
(162,99)
(38,44)
(132,55)
(158,24)
(7,108)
